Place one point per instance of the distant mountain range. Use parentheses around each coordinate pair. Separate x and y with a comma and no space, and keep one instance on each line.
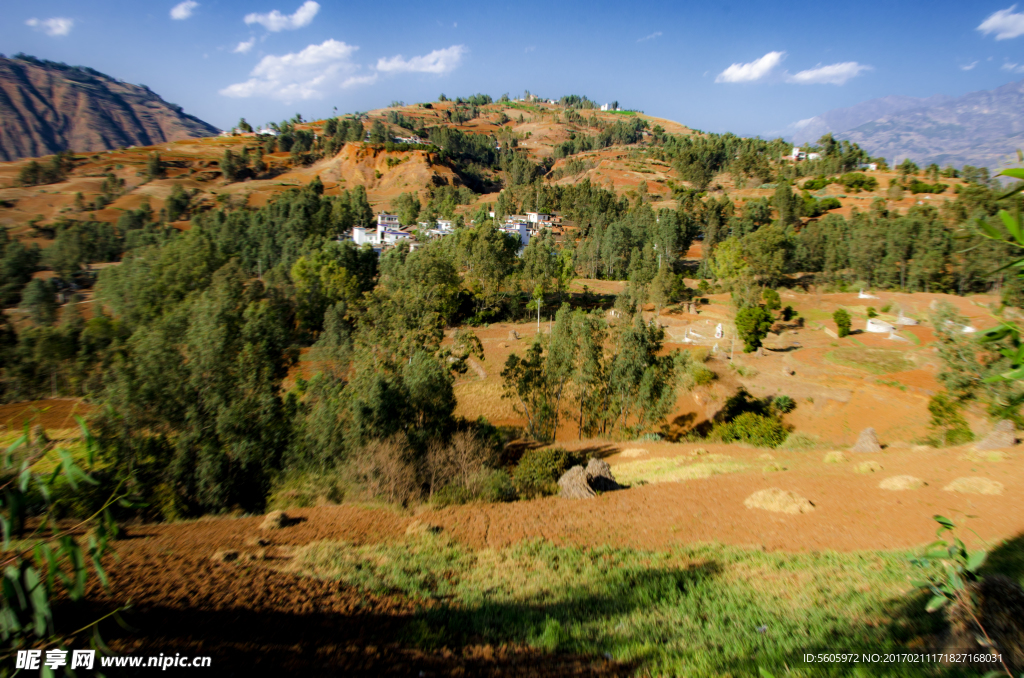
(46,107)
(982,128)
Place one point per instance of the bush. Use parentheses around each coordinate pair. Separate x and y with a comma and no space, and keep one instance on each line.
(753,324)
(752,428)
(783,403)
(871,312)
(452,495)
(947,424)
(497,486)
(842,320)
(539,470)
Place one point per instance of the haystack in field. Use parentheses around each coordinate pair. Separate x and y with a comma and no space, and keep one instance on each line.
(868,467)
(1002,436)
(573,484)
(835,457)
(779,501)
(867,442)
(974,485)
(901,483)
(997,603)
(274,520)
(599,476)
(584,483)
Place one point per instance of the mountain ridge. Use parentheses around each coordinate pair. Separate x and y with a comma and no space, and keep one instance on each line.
(982,128)
(48,107)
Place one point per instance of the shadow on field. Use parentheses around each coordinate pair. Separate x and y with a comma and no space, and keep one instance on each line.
(1007,559)
(245,643)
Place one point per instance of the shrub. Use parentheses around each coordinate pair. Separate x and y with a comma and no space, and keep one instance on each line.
(752,324)
(783,403)
(539,470)
(872,313)
(497,486)
(772,300)
(452,495)
(750,427)
(842,320)
(947,424)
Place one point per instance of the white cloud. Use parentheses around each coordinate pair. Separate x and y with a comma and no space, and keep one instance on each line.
(244,47)
(300,75)
(833,74)
(183,10)
(275,21)
(969,67)
(652,36)
(359,80)
(1013,68)
(1004,23)
(438,61)
(55,26)
(755,70)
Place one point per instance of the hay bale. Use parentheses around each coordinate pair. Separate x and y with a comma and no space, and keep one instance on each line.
(633,452)
(699,452)
(835,457)
(1003,435)
(513,335)
(974,485)
(274,520)
(868,467)
(997,602)
(573,484)
(778,501)
(867,442)
(788,371)
(599,476)
(902,483)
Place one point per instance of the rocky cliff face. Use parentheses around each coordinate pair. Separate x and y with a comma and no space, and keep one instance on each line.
(46,107)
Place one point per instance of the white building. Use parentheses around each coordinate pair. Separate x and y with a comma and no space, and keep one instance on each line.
(380,237)
(537,217)
(522,229)
(606,107)
(269,131)
(388,220)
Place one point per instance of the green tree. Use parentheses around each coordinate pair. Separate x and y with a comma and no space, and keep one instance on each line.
(842,320)
(752,325)
(772,300)
(155,168)
(379,133)
(243,126)
(39,301)
(408,207)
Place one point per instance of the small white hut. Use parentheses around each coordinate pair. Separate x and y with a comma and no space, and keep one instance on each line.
(879,326)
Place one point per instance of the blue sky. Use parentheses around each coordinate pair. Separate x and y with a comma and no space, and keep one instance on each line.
(745,67)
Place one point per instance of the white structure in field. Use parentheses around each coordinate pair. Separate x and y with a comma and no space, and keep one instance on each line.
(388,220)
(718,331)
(865,295)
(904,320)
(879,326)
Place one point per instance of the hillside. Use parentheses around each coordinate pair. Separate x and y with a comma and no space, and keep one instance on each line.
(47,107)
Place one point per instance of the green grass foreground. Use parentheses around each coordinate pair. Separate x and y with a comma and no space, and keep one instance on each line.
(705,610)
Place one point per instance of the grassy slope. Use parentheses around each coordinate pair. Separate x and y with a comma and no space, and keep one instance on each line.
(695,610)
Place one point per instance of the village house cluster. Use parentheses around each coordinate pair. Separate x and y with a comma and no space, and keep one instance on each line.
(389,230)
